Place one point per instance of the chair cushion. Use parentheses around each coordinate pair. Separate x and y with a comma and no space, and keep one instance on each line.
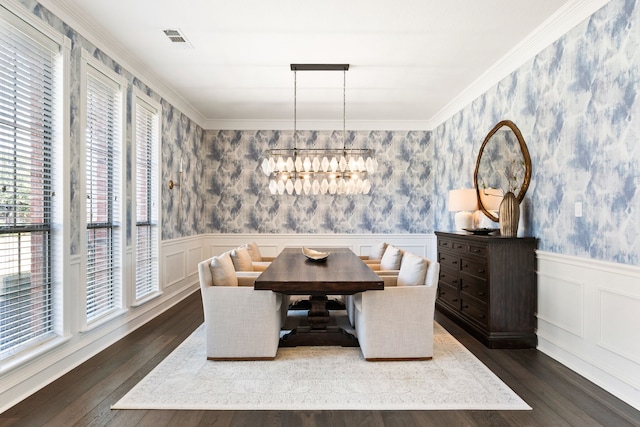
(413,270)
(391,258)
(377,250)
(222,271)
(241,259)
(254,251)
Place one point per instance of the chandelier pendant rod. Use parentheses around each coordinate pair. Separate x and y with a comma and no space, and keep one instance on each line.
(295,108)
(344,112)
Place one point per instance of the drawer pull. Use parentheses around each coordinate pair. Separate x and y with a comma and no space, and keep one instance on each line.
(465,306)
(481,270)
(481,293)
(482,316)
(465,286)
(459,247)
(476,250)
(454,281)
(465,266)
(454,300)
(454,262)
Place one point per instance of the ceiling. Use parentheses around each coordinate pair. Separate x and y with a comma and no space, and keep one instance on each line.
(413,63)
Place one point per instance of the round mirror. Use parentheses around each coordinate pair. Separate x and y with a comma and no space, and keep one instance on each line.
(503,166)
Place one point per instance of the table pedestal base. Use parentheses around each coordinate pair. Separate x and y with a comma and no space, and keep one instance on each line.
(318,331)
(331,335)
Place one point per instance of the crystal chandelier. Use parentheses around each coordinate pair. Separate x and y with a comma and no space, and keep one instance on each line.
(319,171)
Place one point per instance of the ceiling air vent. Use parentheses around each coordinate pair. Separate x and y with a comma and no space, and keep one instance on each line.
(176,36)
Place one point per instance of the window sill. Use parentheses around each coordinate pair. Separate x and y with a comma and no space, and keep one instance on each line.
(27,355)
(146,299)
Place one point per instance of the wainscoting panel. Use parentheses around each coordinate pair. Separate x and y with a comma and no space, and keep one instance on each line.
(272,244)
(561,303)
(174,267)
(615,309)
(587,320)
(194,256)
(179,260)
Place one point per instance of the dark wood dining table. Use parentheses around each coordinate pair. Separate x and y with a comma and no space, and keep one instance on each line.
(341,273)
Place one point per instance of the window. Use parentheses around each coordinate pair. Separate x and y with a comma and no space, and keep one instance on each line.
(103,138)
(29,76)
(146,136)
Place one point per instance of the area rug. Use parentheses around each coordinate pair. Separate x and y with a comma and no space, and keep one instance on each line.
(322,378)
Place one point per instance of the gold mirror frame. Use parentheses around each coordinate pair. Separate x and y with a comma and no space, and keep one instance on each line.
(526,161)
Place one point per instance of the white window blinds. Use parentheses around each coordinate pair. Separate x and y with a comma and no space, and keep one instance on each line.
(27,103)
(146,139)
(102,159)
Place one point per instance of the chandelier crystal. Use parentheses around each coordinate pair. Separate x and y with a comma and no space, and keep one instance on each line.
(319,171)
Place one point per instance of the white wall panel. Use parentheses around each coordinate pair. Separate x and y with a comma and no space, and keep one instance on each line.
(619,330)
(587,320)
(561,303)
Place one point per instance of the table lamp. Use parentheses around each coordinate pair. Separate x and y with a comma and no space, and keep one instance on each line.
(463,201)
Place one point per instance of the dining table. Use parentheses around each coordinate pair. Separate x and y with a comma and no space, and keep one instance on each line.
(341,272)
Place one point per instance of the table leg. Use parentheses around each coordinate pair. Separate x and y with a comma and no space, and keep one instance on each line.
(318,315)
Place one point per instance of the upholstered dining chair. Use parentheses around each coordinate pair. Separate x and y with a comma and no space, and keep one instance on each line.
(397,322)
(240,322)
(385,260)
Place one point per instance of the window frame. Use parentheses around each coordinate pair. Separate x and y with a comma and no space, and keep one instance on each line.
(138,98)
(90,65)
(59,223)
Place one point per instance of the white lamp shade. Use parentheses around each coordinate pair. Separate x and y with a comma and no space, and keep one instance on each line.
(463,199)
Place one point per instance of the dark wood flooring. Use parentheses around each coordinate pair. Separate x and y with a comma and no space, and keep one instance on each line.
(83,397)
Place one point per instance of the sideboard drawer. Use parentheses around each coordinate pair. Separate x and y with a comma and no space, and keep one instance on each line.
(449,261)
(445,244)
(474,286)
(475,268)
(475,312)
(478,250)
(449,278)
(449,295)
(452,245)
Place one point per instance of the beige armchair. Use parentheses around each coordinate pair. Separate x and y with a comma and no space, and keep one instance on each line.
(385,260)
(240,322)
(243,260)
(389,263)
(397,323)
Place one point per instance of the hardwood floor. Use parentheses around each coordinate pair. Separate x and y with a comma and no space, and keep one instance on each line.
(83,397)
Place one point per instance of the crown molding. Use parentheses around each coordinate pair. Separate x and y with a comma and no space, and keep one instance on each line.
(95,34)
(386,125)
(557,25)
(552,29)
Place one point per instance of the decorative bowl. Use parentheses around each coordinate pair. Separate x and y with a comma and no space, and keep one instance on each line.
(314,255)
(481,231)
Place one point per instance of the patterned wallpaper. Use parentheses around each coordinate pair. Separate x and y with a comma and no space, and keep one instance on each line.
(577,106)
(238,200)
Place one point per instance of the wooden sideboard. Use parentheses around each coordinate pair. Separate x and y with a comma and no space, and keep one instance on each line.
(487,285)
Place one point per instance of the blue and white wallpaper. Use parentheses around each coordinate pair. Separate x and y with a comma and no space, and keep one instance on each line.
(239,200)
(576,104)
